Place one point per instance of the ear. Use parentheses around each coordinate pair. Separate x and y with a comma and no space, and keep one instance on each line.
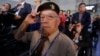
(58,21)
(59,14)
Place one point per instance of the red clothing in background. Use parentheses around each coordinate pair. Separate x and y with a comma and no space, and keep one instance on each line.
(62,19)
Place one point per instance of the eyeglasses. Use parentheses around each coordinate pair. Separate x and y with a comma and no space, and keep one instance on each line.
(50,17)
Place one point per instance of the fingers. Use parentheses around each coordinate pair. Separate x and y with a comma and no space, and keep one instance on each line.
(35,13)
(29,16)
(32,17)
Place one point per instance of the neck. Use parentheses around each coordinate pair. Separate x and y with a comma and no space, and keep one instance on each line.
(22,1)
(81,12)
(54,31)
(77,34)
(37,3)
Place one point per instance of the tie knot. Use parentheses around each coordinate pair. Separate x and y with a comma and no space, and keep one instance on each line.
(44,38)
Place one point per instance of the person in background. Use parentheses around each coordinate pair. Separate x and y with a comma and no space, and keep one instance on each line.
(84,18)
(21,11)
(37,3)
(35,26)
(48,41)
(68,22)
(69,17)
(81,39)
(96,28)
(6,19)
(62,21)
(65,13)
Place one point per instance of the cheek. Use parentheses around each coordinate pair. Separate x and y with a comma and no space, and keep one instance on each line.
(83,9)
(55,24)
(51,24)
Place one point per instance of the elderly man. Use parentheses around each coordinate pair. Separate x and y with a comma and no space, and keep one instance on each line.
(48,41)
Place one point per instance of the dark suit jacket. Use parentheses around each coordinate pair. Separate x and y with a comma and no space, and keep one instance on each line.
(6,19)
(85,39)
(23,12)
(27,9)
(85,20)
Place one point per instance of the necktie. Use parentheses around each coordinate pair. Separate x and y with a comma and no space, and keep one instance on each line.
(80,17)
(39,48)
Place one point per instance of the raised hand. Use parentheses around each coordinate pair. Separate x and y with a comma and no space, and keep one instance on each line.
(31,18)
(79,27)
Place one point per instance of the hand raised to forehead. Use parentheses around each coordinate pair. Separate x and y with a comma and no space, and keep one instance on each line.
(79,27)
(31,18)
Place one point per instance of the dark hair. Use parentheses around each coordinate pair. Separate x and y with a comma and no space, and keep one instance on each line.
(9,5)
(82,4)
(69,11)
(62,10)
(41,1)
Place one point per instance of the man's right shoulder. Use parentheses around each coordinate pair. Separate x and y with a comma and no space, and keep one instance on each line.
(75,13)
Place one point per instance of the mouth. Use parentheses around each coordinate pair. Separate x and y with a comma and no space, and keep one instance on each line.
(45,27)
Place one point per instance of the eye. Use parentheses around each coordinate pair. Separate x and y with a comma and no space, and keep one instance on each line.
(50,16)
(42,17)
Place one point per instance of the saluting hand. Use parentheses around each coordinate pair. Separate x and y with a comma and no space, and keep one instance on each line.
(79,27)
(31,18)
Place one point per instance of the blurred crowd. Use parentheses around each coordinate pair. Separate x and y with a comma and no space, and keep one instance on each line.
(80,27)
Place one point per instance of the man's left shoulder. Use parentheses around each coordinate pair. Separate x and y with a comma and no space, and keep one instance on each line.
(87,13)
(27,3)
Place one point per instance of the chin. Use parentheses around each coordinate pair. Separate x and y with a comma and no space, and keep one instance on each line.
(47,31)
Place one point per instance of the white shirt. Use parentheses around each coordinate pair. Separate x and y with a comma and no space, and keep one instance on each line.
(17,12)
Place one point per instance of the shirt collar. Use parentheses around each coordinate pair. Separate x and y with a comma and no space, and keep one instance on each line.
(51,37)
(23,3)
